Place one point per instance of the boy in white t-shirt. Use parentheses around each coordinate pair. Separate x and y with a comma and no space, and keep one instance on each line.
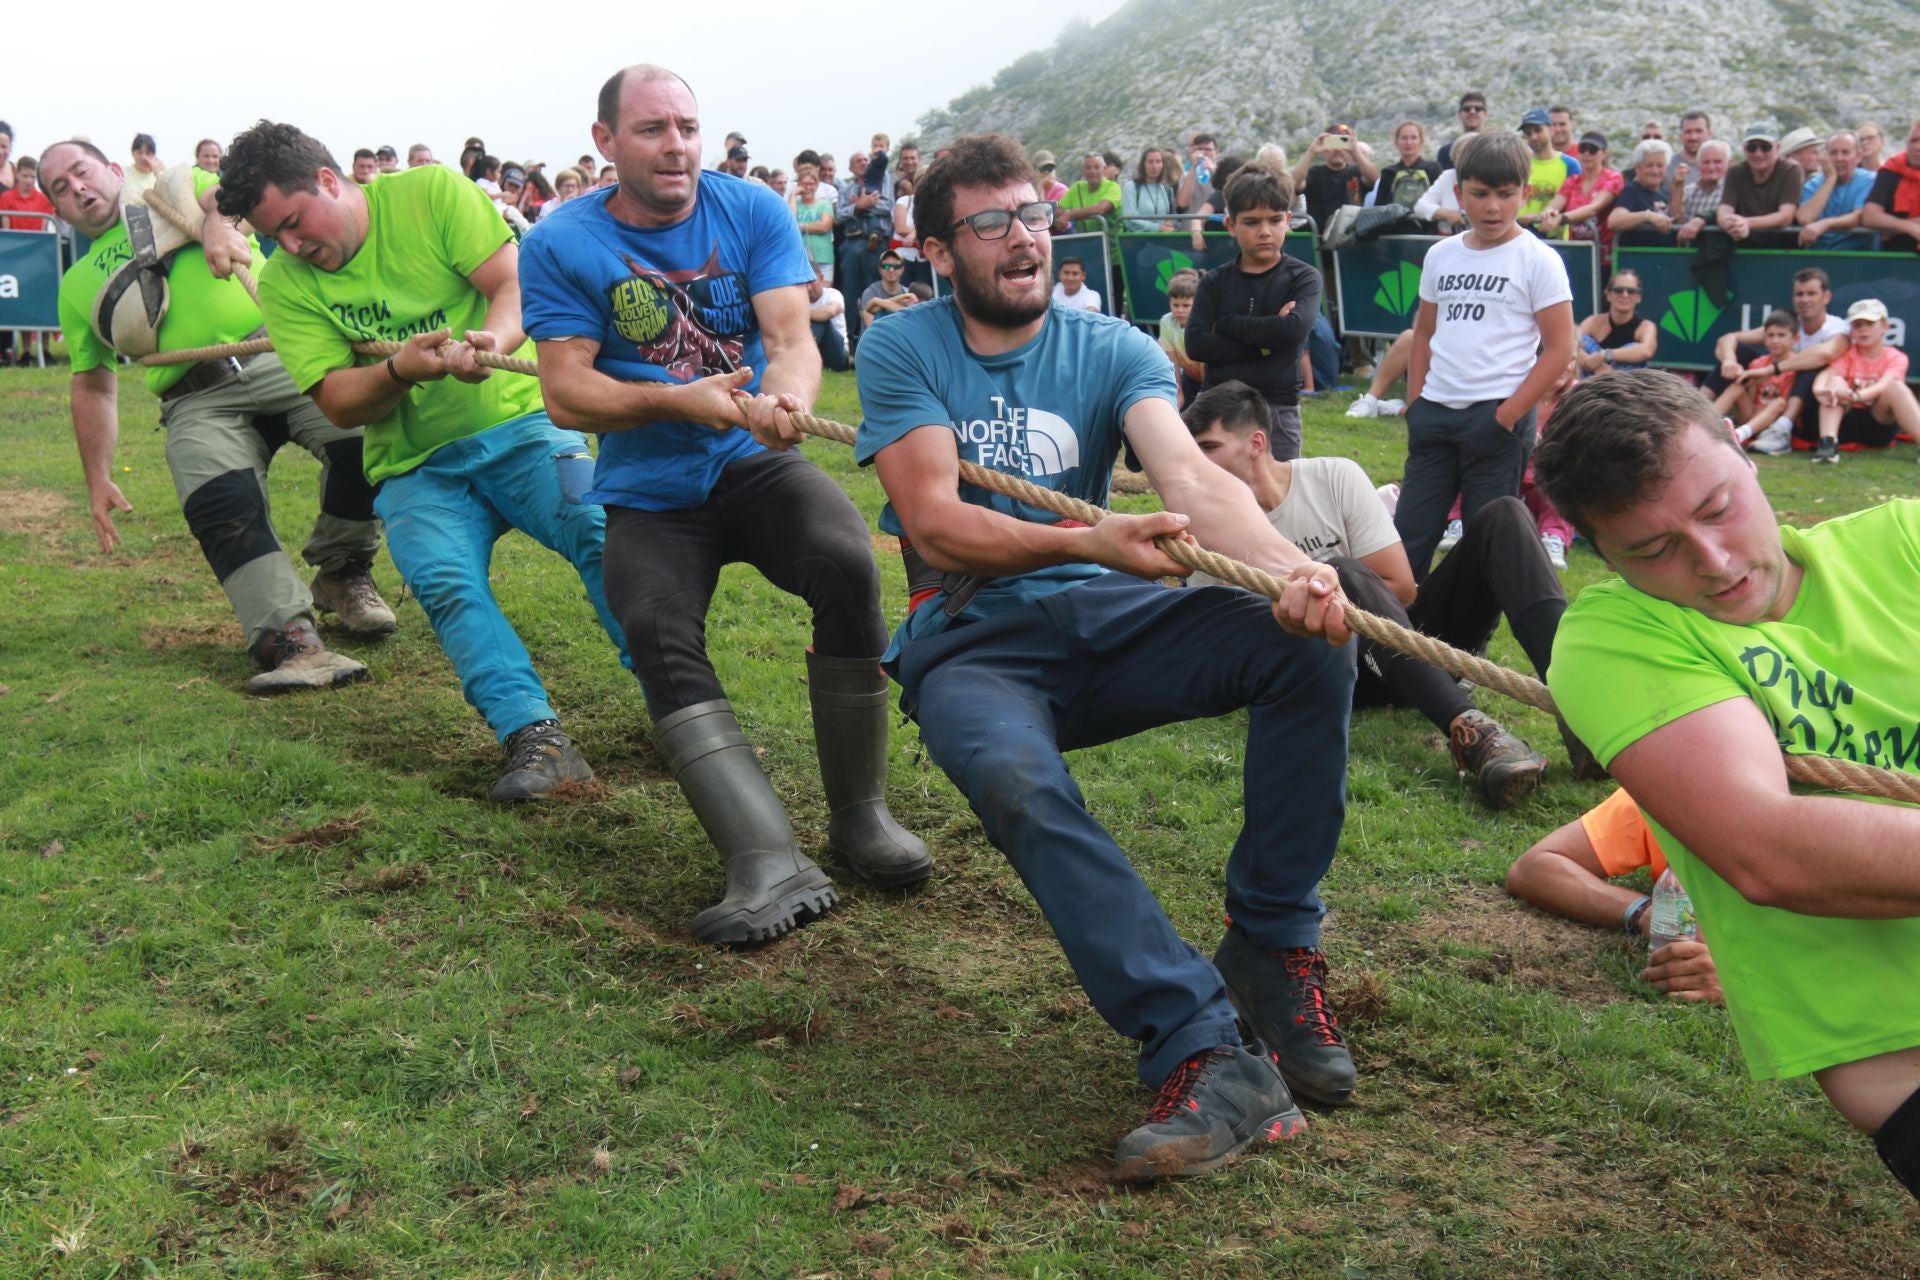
(1494,332)
(1070,290)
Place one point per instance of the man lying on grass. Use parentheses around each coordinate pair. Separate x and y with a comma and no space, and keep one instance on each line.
(1020,644)
(1726,640)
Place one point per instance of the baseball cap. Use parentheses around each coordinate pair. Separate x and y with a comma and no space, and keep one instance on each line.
(1867,309)
(1044,160)
(1760,133)
(1797,139)
(1539,116)
(512,173)
(386,153)
(1592,139)
(738,153)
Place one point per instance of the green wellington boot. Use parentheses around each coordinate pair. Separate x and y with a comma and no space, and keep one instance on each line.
(771,886)
(849,698)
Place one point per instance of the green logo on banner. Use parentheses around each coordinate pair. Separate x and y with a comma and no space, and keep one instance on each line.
(1399,290)
(1690,315)
(1174,261)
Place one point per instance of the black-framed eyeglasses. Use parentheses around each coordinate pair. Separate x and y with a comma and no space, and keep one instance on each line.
(993,224)
(1588,149)
(1759,146)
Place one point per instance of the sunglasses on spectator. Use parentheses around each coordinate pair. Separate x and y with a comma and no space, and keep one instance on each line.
(1624,290)
(993,224)
(892,266)
(1473,111)
(1587,148)
(1759,147)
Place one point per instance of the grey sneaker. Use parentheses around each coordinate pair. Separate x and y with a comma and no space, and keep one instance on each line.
(349,593)
(1828,450)
(539,758)
(1775,440)
(1283,997)
(293,659)
(1505,767)
(1215,1105)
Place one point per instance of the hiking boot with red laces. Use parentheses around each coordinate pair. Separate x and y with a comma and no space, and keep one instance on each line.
(349,593)
(1505,767)
(1214,1106)
(1283,997)
(292,659)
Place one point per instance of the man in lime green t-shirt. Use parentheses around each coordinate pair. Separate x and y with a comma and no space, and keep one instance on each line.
(1096,196)
(461,453)
(225,419)
(1727,640)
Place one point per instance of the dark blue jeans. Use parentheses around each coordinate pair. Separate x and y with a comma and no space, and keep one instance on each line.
(998,701)
(832,345)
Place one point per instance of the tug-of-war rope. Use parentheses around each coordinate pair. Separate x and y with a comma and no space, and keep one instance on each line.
(1815,770)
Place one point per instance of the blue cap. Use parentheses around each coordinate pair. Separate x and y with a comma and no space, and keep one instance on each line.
(1537,116)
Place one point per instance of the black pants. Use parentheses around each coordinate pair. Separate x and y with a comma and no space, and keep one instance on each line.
(1455,452)
(1497,567)
(775,511)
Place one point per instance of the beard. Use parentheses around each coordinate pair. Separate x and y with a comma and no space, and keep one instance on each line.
(979,297)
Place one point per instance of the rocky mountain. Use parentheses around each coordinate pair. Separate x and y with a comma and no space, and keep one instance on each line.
(1255,71)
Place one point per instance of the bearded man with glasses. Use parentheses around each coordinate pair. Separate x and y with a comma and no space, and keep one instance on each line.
(1026,637)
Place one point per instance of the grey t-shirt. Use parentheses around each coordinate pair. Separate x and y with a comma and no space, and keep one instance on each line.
(1330,510)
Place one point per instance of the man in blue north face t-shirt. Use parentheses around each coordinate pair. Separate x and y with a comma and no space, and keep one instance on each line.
(670,314)
(1021,642)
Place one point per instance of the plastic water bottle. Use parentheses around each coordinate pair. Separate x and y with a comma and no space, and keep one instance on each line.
(1673,917)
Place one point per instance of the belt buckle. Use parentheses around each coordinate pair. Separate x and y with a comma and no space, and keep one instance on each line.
(233,366)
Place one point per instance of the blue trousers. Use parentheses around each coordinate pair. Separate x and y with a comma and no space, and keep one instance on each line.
(997,702)
(443,518)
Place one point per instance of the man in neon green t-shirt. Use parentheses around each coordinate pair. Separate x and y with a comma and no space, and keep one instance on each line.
(1727,640)
(1096,196)
(461,453)
(225,420)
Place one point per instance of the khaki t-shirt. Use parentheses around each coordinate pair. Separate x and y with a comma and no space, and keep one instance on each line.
(1330,510)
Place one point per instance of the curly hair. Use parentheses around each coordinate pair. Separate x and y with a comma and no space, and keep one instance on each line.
(270,154)
(976,160)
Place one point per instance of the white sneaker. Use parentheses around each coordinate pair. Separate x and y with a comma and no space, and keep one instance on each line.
(1775,440)
(1389,497)
(1365,407)
(1455,531)
(1392,408)
(1556,550)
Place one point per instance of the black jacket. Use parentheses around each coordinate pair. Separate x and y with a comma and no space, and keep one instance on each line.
(1237,331)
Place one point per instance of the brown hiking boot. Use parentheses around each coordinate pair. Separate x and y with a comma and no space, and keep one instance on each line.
(349,593)
(292,659)
(1505,767)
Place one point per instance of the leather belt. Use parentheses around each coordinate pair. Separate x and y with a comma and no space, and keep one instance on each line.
(210,373)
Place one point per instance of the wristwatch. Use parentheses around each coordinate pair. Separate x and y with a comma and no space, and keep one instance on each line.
(1607,355)
(1630,919)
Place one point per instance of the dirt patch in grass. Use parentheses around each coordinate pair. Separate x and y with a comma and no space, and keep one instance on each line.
(322,836)
(32,511)
(161,638)
(1518,944)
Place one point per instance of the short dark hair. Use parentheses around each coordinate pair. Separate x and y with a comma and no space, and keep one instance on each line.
(608,107)
(808,156)
(1257,187)
(144,142)
(1070,260)
(1701,116)
(1113,160)
(1199,138)
(484,166)
(270,154)
(1236,406)
(1611,441)
(364,153)
(1818,274)
(973,160)
(1184,283)
(1565,111)
(1473,95)
(81,143)
(1781,318)
(1493,159)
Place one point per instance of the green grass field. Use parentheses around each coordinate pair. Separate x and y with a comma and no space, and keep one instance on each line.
(281,995)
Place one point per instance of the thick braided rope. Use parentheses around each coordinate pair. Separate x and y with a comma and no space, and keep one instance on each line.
(1825,772)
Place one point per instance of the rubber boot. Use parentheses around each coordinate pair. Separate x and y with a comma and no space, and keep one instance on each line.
(771,886)
(849,698)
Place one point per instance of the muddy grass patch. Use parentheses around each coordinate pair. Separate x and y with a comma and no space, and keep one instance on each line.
(33,512)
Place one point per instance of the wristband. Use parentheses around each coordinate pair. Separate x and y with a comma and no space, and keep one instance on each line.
(1630,919)
(395,375)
